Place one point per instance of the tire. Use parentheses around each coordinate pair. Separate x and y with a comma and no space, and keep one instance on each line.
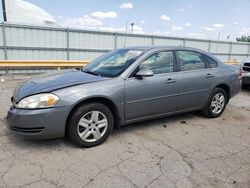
(210,108)
(93,121)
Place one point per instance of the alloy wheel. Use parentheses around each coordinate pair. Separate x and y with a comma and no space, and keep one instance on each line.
(92,126)
(218,103)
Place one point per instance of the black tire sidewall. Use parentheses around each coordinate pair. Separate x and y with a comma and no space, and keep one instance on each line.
(209,109)
(79,113)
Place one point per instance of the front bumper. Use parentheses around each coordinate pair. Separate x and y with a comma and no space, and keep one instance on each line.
(38,124)
(245,78)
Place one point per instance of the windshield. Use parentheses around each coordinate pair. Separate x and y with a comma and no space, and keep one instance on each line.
(113,63)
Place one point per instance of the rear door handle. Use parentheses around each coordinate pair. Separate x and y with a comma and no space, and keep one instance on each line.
(209,75)
(170,80)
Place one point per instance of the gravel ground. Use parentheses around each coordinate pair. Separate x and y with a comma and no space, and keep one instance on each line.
(186,150)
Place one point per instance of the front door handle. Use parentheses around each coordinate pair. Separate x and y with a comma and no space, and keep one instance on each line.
(209,75)
(170,80)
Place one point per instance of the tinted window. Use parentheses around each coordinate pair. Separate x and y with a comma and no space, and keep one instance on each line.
(190,61)
(212,62)
(161,62)
(113,63)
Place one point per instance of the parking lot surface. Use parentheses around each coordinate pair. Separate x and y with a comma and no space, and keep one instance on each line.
(185,150)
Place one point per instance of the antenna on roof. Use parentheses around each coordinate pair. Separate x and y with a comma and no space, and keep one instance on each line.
(4,11)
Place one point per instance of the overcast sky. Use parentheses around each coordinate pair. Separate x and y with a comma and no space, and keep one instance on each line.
(182,18)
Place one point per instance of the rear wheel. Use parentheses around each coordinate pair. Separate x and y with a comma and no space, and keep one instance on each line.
(90,124)
(216,103)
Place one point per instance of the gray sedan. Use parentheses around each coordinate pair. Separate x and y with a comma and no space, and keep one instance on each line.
(121,87)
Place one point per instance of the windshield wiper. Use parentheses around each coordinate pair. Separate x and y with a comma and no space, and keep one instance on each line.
(90,72)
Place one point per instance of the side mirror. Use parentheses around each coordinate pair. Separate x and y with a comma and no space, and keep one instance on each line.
(144,73)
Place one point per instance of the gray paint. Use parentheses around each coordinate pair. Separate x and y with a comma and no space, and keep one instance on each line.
(53,81)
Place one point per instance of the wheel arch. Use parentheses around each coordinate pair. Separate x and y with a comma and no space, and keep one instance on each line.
(226,88)
(100,99)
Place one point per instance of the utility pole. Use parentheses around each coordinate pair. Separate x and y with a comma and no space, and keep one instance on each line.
(217,42)
(132,27)
(126,33)
(218,36)
(4,11)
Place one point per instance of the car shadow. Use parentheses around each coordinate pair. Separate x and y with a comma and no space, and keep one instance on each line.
(65,142)
(48,143)
(164,122)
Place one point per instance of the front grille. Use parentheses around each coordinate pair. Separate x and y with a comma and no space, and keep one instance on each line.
(247,64)
(28,130)
(246,69)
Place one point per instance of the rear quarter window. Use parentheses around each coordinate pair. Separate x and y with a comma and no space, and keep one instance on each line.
(211,62)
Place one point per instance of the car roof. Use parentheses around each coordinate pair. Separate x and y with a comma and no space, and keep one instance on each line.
(146,48)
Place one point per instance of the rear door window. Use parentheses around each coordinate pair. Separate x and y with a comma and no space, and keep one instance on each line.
(190,60)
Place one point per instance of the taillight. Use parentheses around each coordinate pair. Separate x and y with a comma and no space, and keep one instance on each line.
(239,73)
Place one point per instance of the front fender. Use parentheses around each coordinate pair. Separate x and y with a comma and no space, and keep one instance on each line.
(112,90)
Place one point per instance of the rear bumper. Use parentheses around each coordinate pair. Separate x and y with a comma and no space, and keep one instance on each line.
(38,124)
(246,78)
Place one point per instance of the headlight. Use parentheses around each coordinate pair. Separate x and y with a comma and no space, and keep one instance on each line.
(44,100)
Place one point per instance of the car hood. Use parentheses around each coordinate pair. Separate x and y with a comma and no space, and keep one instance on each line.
(53,81)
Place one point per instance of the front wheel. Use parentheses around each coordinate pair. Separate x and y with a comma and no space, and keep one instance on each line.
(216,103)
(90,124)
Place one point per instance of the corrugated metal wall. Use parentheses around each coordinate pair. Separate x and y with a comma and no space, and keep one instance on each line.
(45,43)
